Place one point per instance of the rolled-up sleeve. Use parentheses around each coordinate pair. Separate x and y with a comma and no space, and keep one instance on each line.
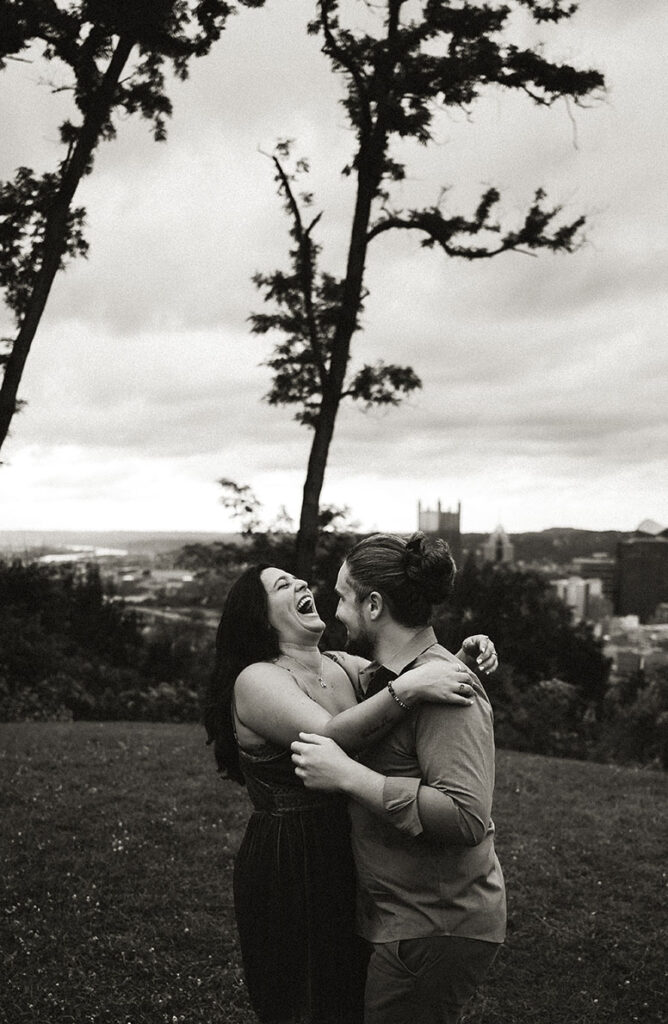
(455,749)
(400,800)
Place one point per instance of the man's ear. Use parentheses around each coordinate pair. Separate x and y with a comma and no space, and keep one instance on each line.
(376,605)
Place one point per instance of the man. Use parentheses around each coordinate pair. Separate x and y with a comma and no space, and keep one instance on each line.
(431,896)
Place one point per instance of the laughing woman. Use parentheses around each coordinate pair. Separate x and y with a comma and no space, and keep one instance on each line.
(294,886)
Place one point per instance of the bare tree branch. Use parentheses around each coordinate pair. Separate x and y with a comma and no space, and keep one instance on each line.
(305,265)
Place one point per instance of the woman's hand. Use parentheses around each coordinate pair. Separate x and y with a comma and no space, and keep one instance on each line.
(320,763)
(436,682)
(481,650)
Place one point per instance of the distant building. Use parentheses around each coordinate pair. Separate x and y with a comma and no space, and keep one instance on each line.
(498,548)
(634,648)
(444,524)
(650,528)
(583,597)
(626,662)
(600,566)
(641,575)
(625,625)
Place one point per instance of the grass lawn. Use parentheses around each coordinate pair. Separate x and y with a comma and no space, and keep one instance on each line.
(117,843)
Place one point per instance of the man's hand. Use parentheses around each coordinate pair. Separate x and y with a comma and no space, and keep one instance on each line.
(481,649)
(320,763)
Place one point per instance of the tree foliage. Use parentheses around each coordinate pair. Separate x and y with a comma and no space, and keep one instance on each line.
(550,694)
(636,709)
(532,627)
(92,42)
(306,304)
(67,650)
(409,62)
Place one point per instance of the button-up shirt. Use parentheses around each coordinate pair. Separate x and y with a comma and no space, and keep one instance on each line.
(409,885)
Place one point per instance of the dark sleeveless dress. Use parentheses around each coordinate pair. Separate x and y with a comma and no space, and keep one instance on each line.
(294,896)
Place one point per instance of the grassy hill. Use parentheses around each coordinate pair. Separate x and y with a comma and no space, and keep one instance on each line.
(117,846)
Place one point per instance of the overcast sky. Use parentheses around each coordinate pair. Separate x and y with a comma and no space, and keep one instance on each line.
(545,395)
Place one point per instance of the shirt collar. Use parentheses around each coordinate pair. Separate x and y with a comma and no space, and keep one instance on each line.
(407,653)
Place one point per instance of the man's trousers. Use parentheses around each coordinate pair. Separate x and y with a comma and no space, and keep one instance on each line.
(426,980)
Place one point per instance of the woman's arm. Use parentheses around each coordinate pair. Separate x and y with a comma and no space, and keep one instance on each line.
(270,703)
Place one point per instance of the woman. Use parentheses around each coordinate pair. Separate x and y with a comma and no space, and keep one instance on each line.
(293,877)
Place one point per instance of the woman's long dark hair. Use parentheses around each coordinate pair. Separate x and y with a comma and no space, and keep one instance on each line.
(244,636)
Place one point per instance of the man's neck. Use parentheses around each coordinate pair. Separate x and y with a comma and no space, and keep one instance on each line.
(391,639)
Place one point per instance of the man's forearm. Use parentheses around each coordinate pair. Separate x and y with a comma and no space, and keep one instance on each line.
(410,806)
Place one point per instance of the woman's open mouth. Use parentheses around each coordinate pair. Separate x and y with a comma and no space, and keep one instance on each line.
(305,605)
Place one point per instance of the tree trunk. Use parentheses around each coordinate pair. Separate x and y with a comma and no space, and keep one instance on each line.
(55,232)
(307,537)
(370,169)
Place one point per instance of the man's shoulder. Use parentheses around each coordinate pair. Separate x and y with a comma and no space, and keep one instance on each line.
(434,653)
(433,711)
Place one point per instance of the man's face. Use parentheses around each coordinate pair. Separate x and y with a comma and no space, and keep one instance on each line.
(350,613)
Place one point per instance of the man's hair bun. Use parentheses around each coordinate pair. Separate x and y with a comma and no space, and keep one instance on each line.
(430,566)
(412,575)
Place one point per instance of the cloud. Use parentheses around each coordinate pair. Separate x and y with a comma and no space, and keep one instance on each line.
(544,379)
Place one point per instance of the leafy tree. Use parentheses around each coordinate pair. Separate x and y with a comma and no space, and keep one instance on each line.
(70,602)
(636,718)
(242,504)
(419,58)
(40,228)
(68,651)
(531,627)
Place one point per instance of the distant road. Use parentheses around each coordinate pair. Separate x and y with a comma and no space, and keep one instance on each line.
(194,616)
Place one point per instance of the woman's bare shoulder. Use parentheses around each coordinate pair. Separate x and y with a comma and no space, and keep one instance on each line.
(260,672)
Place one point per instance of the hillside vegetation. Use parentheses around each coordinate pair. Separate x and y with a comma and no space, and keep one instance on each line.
(117,846)
(70,651)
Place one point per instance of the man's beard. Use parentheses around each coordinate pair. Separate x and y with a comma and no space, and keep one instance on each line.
(362,644)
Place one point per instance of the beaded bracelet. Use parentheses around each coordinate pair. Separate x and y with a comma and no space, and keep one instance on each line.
(399,701)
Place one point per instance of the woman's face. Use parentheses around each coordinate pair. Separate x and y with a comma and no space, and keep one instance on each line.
(292,610)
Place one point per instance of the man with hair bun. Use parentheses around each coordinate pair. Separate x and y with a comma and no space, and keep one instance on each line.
(431,896)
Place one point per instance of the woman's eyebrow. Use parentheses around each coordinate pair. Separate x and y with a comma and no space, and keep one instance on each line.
(280,579)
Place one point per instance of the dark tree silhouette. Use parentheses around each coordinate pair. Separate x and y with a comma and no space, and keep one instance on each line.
(421,59)
(40,229)
(540,639)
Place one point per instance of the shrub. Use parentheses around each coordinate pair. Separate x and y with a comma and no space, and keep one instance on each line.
(635,719)
(33,704)
(547,719)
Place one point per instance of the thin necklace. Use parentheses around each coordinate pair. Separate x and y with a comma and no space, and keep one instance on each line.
(309,669)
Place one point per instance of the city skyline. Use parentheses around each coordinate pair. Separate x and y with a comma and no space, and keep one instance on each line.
(544,397)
